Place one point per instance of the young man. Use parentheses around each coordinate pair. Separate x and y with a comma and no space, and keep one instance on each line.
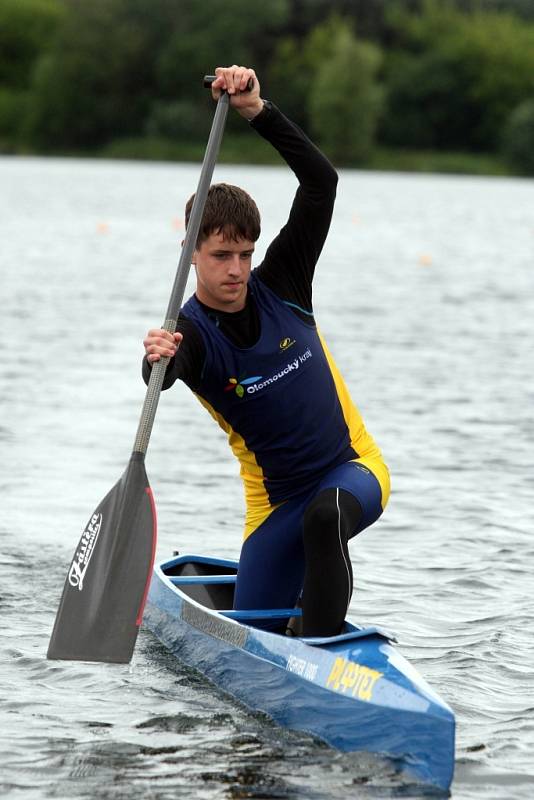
(248,347)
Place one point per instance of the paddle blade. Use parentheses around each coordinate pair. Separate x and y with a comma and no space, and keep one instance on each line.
(102,603)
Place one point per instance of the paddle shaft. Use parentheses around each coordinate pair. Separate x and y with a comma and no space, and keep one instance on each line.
(101,607)
(159,368)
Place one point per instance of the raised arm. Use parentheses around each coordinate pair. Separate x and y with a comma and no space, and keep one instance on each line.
(289,264)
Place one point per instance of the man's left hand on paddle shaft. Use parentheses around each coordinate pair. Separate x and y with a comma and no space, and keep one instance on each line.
(235,80)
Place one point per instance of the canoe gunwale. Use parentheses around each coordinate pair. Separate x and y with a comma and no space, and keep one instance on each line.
(179,584)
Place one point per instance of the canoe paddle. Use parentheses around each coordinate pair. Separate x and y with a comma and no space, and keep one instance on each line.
(101,607)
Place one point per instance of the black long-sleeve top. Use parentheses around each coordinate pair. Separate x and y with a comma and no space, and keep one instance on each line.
(289,264)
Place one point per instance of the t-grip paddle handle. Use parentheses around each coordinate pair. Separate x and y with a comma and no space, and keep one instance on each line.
(159,368)
(208,80)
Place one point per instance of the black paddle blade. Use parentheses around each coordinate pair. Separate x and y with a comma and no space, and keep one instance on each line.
(105,591)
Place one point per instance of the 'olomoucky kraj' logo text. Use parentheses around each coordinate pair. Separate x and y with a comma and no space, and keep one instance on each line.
(86,548)
(257,383)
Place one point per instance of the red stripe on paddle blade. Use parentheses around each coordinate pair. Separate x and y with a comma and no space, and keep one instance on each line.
(150,495)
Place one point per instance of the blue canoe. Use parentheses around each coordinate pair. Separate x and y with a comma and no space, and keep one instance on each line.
(354,691)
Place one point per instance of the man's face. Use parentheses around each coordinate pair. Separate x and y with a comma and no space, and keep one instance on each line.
(223,269)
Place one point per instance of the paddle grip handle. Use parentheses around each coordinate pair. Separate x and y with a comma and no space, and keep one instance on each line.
(157,374)
(208,80)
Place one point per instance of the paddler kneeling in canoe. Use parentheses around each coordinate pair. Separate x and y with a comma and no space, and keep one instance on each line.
(248,346)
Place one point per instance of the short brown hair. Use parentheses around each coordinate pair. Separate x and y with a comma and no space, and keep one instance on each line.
(229,210)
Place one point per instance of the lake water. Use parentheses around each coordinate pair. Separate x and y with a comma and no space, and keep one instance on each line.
(425,293)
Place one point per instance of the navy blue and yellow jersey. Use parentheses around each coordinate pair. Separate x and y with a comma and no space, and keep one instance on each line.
(282,402)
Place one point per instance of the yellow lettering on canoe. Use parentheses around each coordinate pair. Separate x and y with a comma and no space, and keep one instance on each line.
(350,677)
(336,673)
(369,678)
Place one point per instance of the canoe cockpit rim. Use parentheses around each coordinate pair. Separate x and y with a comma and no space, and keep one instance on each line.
(228,570)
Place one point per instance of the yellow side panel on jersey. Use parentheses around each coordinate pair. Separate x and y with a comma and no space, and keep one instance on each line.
(257,503)
(362,442)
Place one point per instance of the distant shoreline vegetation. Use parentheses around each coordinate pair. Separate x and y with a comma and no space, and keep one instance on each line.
(410,85)
(246,150)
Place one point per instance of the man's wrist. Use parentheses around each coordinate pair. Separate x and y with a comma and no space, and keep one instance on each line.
(252,112)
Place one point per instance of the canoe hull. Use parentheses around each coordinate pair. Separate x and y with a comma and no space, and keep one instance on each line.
(356,692)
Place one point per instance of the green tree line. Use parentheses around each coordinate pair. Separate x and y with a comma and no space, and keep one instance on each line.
(397,83)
